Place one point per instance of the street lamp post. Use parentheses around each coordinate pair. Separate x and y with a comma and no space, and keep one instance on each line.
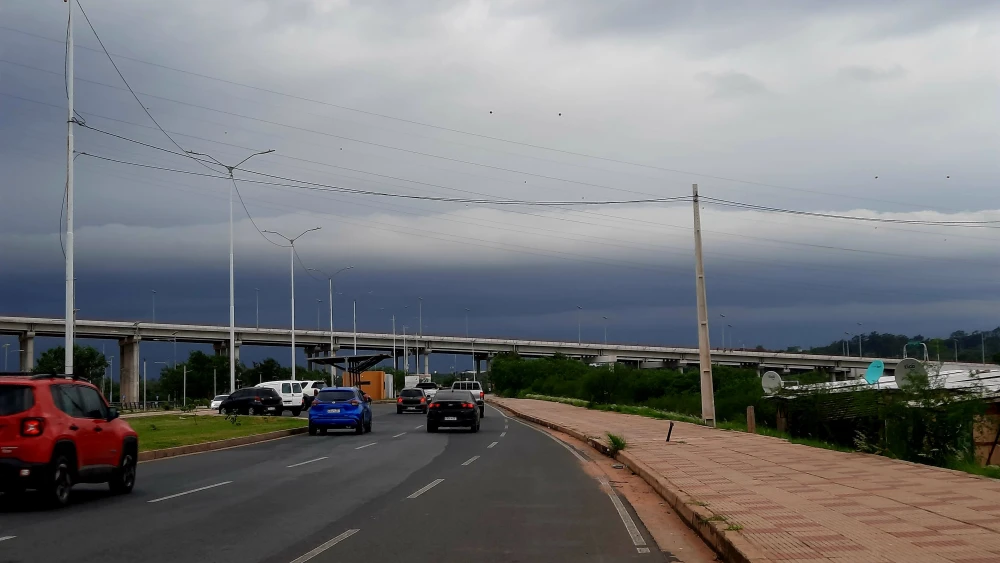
(406,356)
(257,307)
(723,323)
(5,352)
(355,315)
(154,305)
(579,323)
(730,327)
(232,271)
(605,330)
(859,341)
(333,370)
(319,303)
(291,257)
(956,348)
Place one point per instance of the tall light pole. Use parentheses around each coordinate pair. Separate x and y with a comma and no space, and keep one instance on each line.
(70,286)
(579,323)
(111,378)
(330,298)
(730,334)
(847,342)
(232,274)
(291,258)
(154,304)
(956,348)
(257,307)
(605,330)
(859,341)
(319,304)
(355,302)
(395,360)
(723,323)
(982,337)
(7,351)
(406,357)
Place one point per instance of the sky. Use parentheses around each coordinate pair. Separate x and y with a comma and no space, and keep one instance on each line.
(883,110)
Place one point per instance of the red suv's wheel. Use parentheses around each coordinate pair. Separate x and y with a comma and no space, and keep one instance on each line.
(61,481)
(123,478)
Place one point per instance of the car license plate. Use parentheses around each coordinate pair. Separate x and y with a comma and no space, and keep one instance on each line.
(451,418)
(411,408)
(332,410)
(271,408)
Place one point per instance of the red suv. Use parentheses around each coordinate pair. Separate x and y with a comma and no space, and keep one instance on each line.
(56,431)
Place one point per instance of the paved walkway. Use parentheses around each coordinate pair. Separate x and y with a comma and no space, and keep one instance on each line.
(802,504)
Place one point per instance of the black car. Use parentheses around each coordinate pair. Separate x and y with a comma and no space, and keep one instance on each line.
(412,400)
(252,400)
(453,408)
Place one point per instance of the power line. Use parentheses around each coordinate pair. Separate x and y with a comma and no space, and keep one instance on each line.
(127,85)
(493,138)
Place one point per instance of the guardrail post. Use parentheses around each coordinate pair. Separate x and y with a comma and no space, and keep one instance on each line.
(751,420)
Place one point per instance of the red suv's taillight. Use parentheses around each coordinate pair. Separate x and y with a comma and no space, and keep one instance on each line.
(31,427)
(399,399)
(423,400)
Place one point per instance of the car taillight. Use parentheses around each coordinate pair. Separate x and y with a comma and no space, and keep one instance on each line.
(468,405)
(257,399)
(481,394)
(435,405)
(32,427)
(423,400)
(399,399)
(354,402)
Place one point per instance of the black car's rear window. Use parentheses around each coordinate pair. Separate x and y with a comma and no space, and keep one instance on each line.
(426,385)
(411,393)
(336,396)
(15,399)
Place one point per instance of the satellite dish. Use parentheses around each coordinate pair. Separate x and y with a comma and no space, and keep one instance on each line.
(907,368)
(874,372)
(771,382)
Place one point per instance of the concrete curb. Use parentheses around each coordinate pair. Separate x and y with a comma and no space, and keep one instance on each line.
(219,444)
(731,546)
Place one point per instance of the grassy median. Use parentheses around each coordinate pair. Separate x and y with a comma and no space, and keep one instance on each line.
(168,431)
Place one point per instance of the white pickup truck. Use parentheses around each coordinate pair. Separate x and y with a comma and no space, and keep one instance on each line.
(477,391)
(430,389)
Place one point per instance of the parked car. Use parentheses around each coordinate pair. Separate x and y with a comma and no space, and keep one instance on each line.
(430,388)
(477,392)
(252,400)
(453,408)
(412,400)
(217,402)
(290,392)
(309,391)
(340,407)
(56,432)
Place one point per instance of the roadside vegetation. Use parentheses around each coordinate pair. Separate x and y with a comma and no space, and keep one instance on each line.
(924,423)
(168,431)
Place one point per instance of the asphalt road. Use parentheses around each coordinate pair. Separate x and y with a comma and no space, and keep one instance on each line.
(508,493)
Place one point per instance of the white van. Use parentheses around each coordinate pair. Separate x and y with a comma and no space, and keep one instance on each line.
(291,394)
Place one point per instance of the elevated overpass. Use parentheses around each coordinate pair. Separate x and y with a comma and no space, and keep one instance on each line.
(317,343)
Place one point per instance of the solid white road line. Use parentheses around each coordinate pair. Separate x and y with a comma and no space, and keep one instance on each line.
(419,427)
(491,445)
(398,435)
(426,488)
(499,411)
(633,530)
(326,546)
(5,538)
(310,461)
(191,491)
(471,459)
(502,434)
(365,446)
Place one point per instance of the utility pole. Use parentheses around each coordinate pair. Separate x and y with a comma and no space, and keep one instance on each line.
(723,323)
(184,389)
(355,327)
(982,336)
(579,322)
(143,384)
(406,358)
(215,390)
(704,352)
(291,257)
(70,286)
(257,307)
(395,360)
(232,272)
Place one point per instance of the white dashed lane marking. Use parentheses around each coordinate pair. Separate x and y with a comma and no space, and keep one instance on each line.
(365,446)
(325,546)
(502,434)
(310,461)
(398,435)
(5,538)
(471,459)
(425,488)
(191,491)
(491,445)
(419,427)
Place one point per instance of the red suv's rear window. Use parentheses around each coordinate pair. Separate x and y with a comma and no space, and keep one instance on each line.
(15,399)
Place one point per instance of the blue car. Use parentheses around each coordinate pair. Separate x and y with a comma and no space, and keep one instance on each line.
(340,407)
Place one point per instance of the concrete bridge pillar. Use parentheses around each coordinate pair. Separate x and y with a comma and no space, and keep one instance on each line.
(310,352)
(26,342)
(129,375)
(427,360)
(222,349)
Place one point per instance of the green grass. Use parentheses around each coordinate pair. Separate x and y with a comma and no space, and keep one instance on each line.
(616,443)
(168,431)
(976,469)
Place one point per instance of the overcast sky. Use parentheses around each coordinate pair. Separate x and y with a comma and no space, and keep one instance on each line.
(879,109)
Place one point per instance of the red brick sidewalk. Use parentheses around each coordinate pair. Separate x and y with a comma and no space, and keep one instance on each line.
(802,504)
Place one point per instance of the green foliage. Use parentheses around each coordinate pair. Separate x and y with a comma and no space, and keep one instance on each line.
(201,368)
(88,363)
(616,444)
(271,370)
(885,345)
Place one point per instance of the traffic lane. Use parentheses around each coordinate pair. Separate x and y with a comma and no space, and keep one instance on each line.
(171,475)
(241,521)
(525,499)
(459,445)
(95,510)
